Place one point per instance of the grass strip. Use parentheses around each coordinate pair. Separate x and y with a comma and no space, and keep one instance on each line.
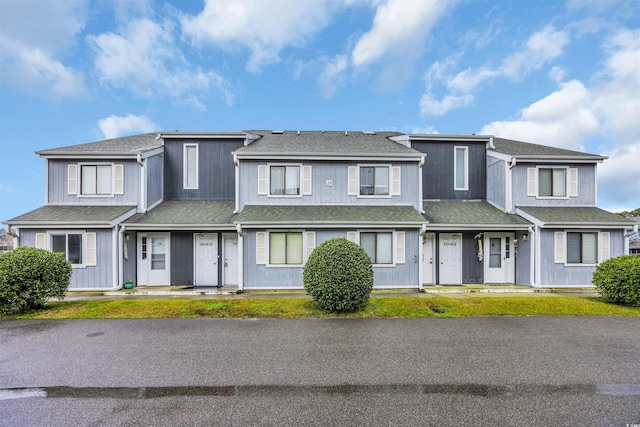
(292,308)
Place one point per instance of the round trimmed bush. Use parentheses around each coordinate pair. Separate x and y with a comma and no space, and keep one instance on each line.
(618,280)
(29,277)
(339,276)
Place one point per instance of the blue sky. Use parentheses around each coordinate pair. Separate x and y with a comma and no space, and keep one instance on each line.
(561,73)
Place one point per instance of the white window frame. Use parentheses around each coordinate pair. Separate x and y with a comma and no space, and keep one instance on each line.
(603,247)
(263,245)
(398,244)
(116,185)
(89,245)
(571,182)
(185,170)
(300,166)
(394,174)
(466,168)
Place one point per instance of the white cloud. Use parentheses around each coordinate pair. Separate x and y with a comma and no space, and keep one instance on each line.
(432,107)
(618,177)
(30,55)
(116,126)
(332,75)
(264,28)
(398,26)
(143,58)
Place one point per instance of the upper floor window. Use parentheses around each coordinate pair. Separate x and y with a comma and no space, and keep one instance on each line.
(461,168)
(190,167)
(284,180)
(374,180)
(95,180)
(552,182)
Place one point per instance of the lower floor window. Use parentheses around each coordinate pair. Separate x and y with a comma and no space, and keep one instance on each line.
(285,248)
(582,248)
(379,247)
(70,245)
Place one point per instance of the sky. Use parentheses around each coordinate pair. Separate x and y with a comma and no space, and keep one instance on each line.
(559,73)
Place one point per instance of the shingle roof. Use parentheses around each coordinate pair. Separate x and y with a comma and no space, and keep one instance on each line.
(327,214)
(326,143)
(576,216)
(186,213)
(71,215)
(521,149)
(128,145)
(468,214)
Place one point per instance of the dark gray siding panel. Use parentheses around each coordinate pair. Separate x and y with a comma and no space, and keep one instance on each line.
(129,264)
(182,258)
(437,172)
(523,259)
(472,269)
(155,179)
(216,171)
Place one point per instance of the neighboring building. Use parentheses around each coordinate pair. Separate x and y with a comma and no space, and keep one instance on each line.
(6,242)
(246,209)
(634,237)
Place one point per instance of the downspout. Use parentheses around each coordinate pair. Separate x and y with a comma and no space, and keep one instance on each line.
(423,230)
(14,232)
(532,256)
(143,183)
(120,257)
(236,164)
(240,257)
(509,186)
(420,207)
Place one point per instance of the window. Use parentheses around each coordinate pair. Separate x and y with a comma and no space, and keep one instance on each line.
(284,180)
(461,168)
(582,248)
(78,247)
(379,247)
(285,248)
(190,166)
(374,180)
(550,182)
(70,245)
(96,180)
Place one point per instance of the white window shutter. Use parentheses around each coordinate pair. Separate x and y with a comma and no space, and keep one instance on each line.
(262,180)
(352,236)
(532,189)
(400,247)
(573,182)
(118,179)
(311,243)
(605,244)
(559,247)
(396,187)
(261,247)
(306,180)
(353,181)
(40,241)
(92,258)
(72,179)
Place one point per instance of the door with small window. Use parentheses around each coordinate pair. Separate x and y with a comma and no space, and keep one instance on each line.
(154,259)
(498,258)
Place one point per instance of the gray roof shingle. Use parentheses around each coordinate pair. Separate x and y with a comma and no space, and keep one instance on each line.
(128,145)
(327,214)
(469,214)
(71,215)
(186,213)
(327,143)
(578,215)
(521,149)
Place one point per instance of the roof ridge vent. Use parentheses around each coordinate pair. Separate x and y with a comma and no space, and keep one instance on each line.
(298,133)
(369,132)
(346,133)
(277,132)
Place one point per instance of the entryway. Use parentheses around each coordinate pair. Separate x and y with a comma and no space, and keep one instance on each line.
(450,255)
(498,258)
(206,256)
(428,258)
(154,258)
(230,252)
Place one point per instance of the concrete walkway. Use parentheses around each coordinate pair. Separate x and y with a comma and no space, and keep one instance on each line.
(184,292)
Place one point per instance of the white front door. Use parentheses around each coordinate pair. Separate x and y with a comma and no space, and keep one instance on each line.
(206,256)
(498,258)
(427,258)
(154,259)
(450,254)
(230,253)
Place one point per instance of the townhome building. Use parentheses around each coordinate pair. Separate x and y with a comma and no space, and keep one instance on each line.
(245,209)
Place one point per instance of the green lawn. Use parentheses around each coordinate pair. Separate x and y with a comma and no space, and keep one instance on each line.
(289,308)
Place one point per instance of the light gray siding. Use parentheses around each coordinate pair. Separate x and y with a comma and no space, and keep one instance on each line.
(58,180)
(334,192)
(586,187)
(438,170)
(262,277)
(96,277)
(553,274)
(496,171)
(216,171)
(155,179)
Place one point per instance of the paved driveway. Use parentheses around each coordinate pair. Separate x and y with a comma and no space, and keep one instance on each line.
(474,371)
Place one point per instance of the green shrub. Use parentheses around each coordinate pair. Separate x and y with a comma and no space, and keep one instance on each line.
(29,277)
(618,280)
(339,276)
